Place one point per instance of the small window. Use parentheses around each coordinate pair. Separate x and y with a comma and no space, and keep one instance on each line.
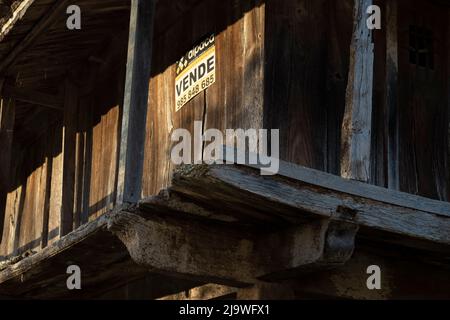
(421,47)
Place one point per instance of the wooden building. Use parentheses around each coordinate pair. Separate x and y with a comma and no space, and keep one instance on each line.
(86,176)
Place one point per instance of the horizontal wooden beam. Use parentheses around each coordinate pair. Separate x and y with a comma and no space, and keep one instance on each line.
(352,187)
(34,97)
(307,192)
(211,252)
(202,251)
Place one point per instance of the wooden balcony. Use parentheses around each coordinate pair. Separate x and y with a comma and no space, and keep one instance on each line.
(86,176)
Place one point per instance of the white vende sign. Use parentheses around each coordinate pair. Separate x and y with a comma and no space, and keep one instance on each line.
(195,72)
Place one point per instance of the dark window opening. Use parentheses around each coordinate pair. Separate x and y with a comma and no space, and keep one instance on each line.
(421,47)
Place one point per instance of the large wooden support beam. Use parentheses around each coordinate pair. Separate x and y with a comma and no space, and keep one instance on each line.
(7,116)
(203,250)
(410,220)
(34,97)
(135,101)
(211,252)
(356,127)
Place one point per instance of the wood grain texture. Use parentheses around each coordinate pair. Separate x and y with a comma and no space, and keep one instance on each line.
(295,79)
(392,116)
(227,186)
(423,106)
(235,101)
(357,123)
(129,187)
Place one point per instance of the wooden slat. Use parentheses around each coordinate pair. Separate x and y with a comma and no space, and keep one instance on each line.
(392,94)
(356,127)
(34,97)
(7,117)
(135,101)
(56,183)
(69,157)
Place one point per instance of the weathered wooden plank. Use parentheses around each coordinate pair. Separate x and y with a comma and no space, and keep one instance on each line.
(160,118)
(225,186)
(378,154)
(34,97)
(295,79)
(87,165)
(357,188)
(79,166)
(422,103)
(392,94)
(56,184)
(104,136)
(339,34)
(135,101)
(47,193)
(7,118)
(69,158)
(356,126)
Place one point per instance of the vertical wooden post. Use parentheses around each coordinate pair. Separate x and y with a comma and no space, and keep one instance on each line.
(392,93)
(357,123)
(69,156)
(7,116)
(129,184)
